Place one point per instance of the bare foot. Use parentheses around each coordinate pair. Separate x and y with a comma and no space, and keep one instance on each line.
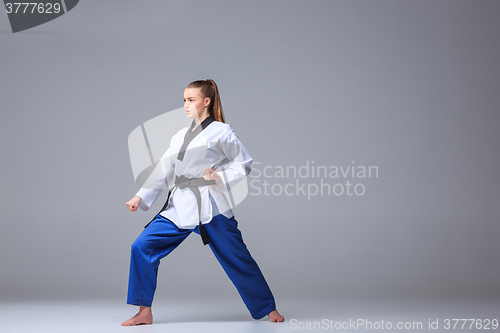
(143,317)
(275,316)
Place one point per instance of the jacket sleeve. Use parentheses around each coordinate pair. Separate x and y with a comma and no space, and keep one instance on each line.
(238,163)
(161,178)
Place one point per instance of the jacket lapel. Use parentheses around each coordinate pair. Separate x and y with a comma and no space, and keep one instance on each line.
(191,135)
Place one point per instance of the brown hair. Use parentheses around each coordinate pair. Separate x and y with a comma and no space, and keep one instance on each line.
(209,89)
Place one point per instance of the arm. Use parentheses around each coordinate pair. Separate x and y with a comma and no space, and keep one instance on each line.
(238,166)
(159,180)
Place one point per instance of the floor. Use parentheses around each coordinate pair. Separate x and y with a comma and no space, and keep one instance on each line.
(220,316)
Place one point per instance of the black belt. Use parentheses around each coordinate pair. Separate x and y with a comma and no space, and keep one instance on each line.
(193,183)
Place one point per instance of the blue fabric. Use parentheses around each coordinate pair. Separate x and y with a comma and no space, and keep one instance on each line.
(162,236)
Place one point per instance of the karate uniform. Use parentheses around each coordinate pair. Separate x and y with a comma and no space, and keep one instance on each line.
(205,209)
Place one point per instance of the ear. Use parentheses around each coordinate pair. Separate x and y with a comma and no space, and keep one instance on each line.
(207,101)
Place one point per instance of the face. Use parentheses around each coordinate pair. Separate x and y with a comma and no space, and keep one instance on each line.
(194,104)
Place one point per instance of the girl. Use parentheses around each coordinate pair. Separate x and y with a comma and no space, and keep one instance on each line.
(201,164)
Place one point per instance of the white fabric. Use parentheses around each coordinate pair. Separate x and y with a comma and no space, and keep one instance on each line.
(217,147)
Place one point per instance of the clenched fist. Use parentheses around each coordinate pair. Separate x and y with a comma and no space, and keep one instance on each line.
(133,203)
(210,173)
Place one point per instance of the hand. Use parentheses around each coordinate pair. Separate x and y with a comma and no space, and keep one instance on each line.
(133,203)
(210,173)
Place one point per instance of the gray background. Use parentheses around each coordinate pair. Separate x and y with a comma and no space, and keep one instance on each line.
(408,86)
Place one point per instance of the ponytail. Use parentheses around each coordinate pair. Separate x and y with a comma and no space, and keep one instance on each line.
(209,89)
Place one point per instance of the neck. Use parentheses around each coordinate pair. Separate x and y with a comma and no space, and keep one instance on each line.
(202,117)
(198,121)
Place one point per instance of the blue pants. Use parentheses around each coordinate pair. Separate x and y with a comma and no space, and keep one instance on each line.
(162,236)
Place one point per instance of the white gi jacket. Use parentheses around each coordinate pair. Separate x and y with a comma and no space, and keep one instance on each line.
(217,147)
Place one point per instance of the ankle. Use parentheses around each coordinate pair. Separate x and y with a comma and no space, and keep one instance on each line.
(144,309)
